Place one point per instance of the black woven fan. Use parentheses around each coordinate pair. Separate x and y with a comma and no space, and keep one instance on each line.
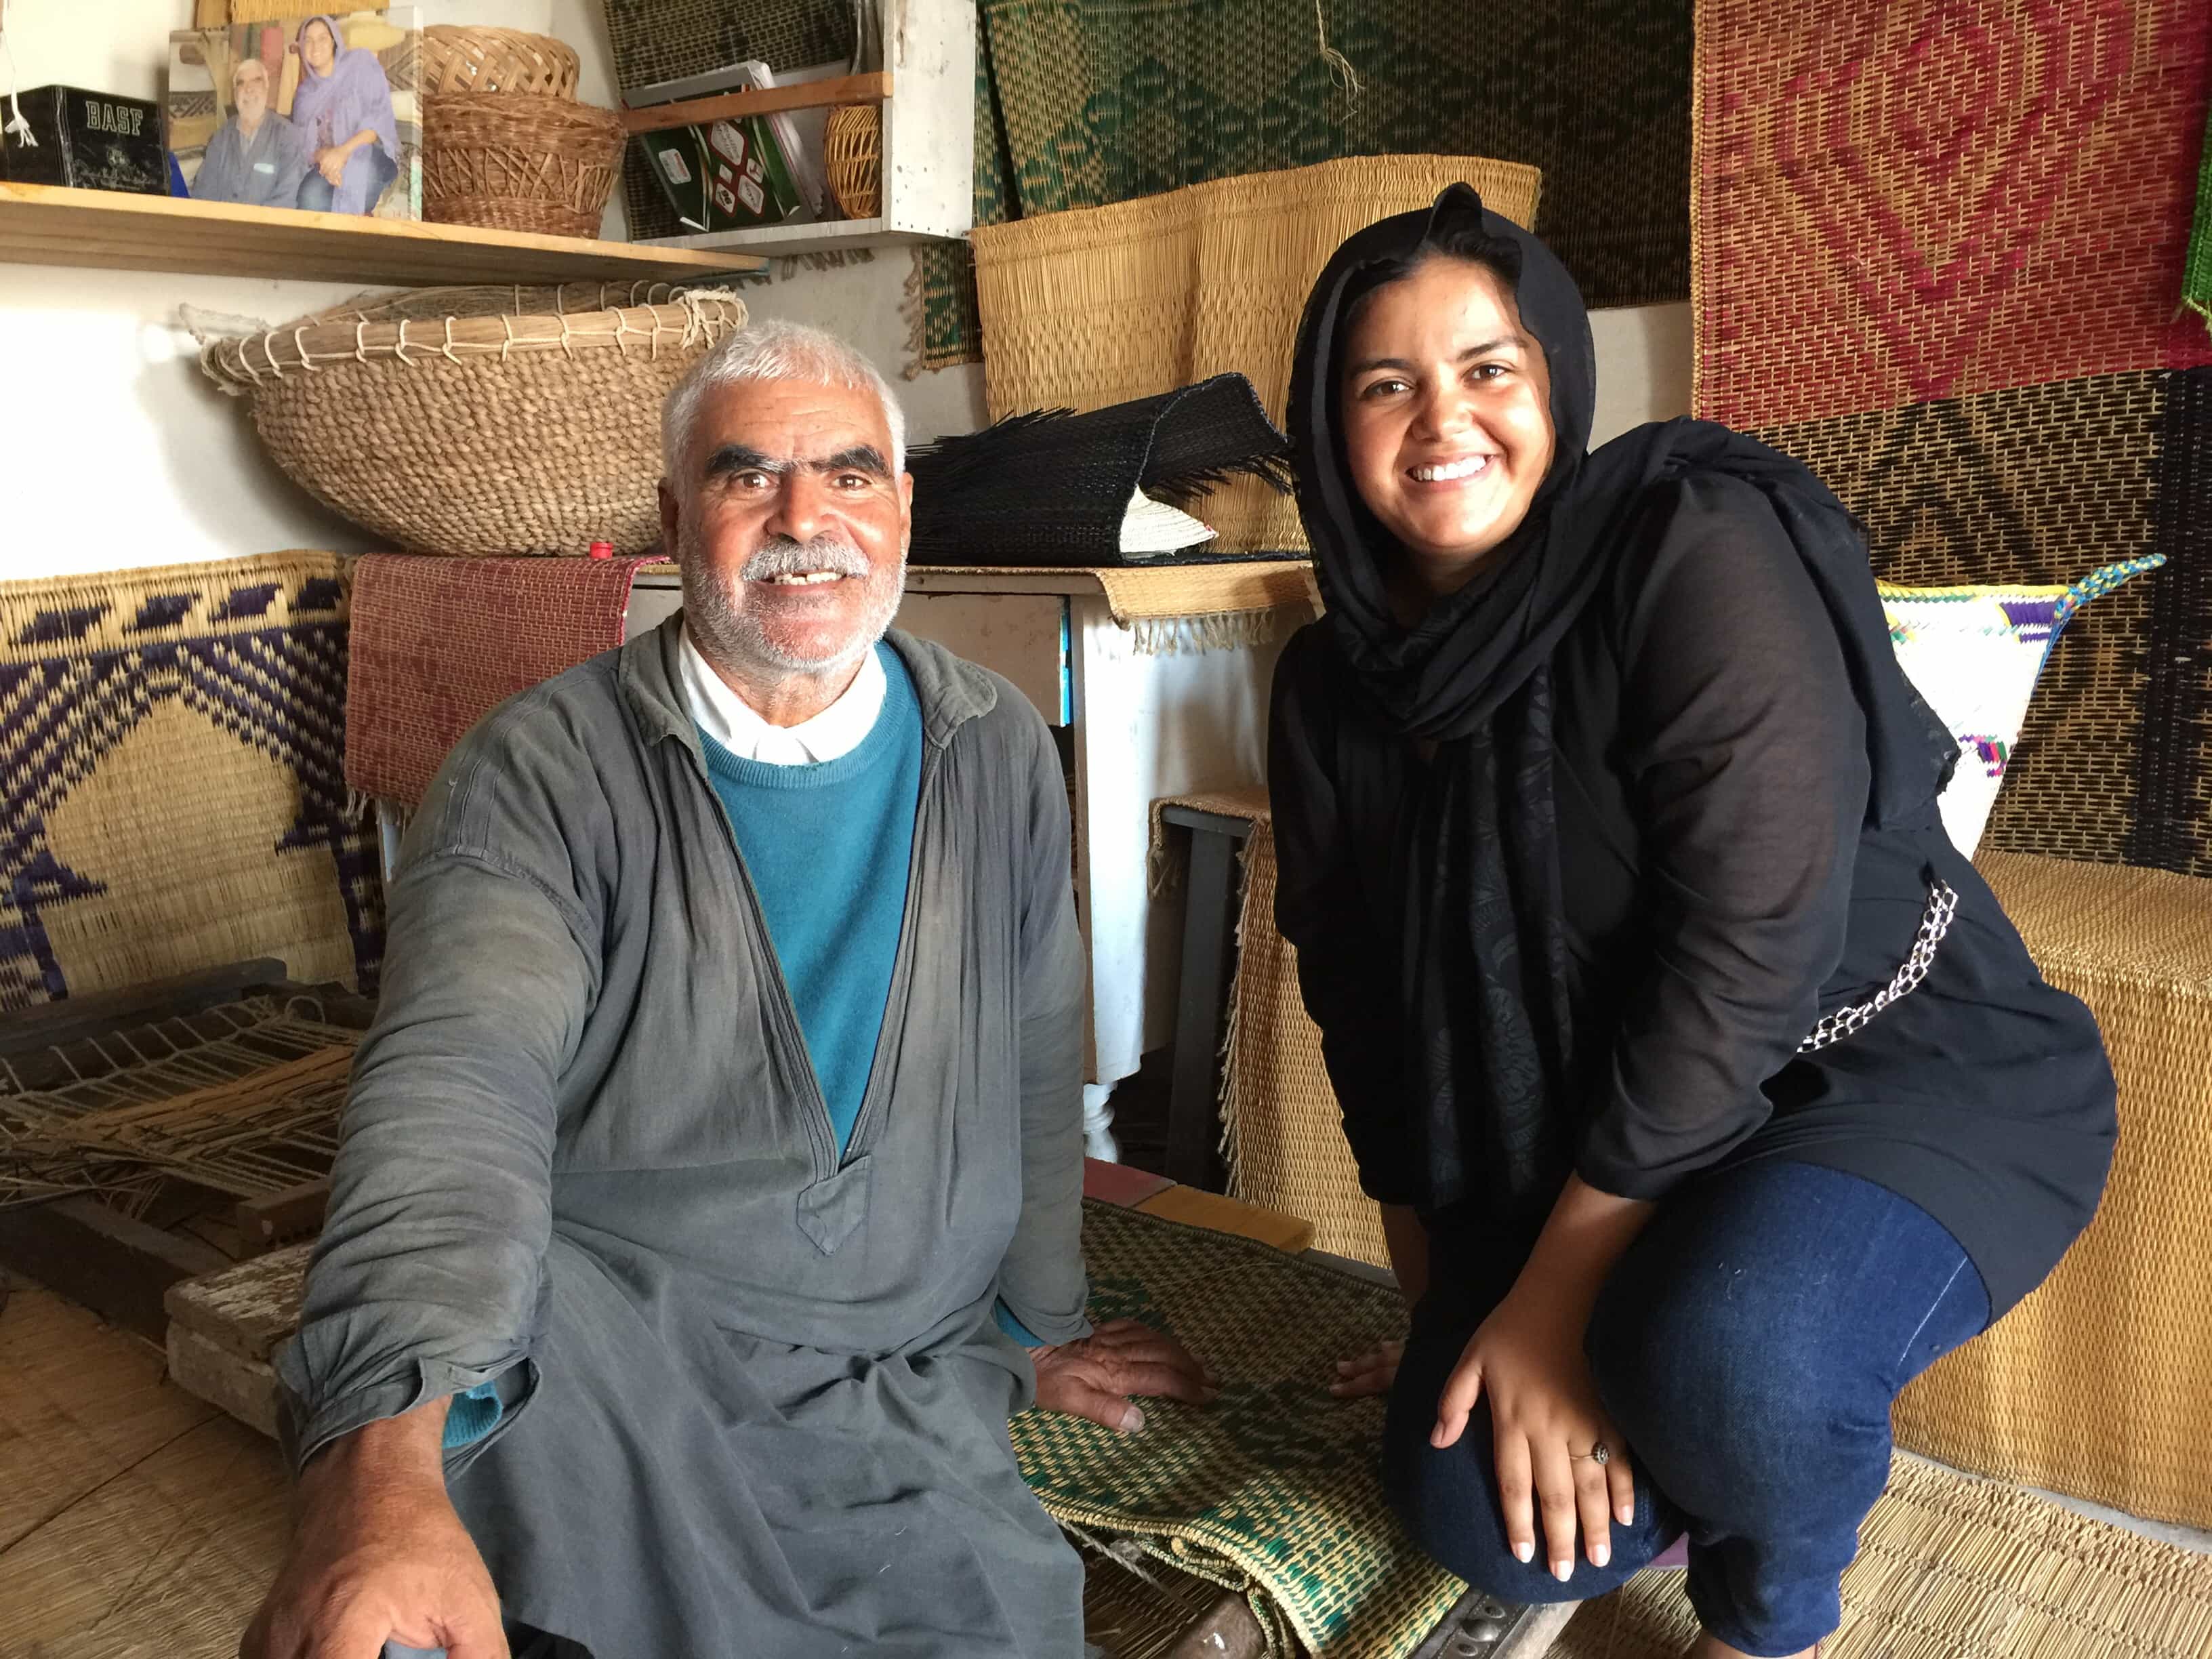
(1051,487)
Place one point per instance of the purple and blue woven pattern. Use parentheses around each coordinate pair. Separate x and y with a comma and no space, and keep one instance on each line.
(172,792)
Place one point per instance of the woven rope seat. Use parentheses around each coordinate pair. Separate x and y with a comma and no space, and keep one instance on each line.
(2099,1385)
(480,422)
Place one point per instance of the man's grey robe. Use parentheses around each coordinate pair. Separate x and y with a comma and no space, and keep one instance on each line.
(263,170)
(764,1397)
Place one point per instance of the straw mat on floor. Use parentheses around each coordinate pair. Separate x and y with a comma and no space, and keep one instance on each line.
(2100,1383)
(134,1519)
(171,798)
(1950,1567)
(1102,304)
(1272,1490)
(439,643)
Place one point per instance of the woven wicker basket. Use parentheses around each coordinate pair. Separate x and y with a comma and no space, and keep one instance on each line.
(853,154)
(480,422)
(516,161)
(465,59)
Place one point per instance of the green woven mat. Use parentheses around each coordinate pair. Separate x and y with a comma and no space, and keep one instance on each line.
(2196,275)
(1272,1491)
(1080,103)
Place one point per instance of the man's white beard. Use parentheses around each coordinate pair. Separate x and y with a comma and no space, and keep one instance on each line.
(732,639)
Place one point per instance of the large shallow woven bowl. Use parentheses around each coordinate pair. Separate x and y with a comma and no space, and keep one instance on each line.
(519,160)
(480,422)
(465,57)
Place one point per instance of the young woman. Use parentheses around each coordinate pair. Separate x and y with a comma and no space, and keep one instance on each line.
(343,107)
(1708,1093)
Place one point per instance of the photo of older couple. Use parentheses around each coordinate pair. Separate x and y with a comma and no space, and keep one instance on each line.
(318,112)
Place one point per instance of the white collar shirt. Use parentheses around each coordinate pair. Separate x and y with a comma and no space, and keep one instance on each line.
(736,724)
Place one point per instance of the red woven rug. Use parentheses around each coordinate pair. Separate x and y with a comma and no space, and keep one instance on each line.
(439,643)
(1938,248)
(1928,198)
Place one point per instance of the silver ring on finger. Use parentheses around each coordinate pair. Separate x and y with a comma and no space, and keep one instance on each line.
(1600,1454)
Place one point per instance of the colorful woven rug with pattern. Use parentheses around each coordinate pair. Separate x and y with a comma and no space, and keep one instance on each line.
(171,796)
(439,643)
(1937,250)
(1080,103)
(1272,1491)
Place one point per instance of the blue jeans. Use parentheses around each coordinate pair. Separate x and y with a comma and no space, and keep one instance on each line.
(1747,1346)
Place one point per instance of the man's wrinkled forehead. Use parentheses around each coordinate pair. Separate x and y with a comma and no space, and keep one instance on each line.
(789,425)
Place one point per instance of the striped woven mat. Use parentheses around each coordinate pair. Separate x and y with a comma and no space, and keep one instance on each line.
(1899,213)
(439,643)
(1272,1491)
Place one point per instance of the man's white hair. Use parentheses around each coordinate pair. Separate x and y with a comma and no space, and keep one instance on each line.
(777,349)
(246,63)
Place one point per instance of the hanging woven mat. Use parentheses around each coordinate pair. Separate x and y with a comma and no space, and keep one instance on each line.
(458,58)
(480,422)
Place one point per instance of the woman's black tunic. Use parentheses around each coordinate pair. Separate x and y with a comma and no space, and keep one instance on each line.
(1721,891)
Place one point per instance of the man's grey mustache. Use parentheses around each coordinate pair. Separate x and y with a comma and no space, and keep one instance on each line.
(785,558)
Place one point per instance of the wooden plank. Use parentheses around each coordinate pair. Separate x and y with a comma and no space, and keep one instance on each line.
(273,1218)
(119,1268)
(871,88)
(1288,1233)
(247,1388)
(43,224)
(51,1024)
(247,1308)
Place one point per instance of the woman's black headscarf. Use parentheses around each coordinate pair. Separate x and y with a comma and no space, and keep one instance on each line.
(1484,984)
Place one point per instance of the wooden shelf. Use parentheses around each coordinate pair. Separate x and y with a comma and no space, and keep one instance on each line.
(109,230)
(777,241)
(737,105)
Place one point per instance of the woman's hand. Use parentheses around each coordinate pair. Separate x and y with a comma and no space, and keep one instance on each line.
(1094,1376)
(1372,1372)
(330,162)
(1528,1359)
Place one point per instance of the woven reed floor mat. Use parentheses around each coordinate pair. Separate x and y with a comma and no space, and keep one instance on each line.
(171,796)
(2100,1383)
(1950,1567)
(135,1521)
(439,643)
(1271,1490)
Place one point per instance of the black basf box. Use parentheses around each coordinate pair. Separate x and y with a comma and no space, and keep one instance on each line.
(89,140)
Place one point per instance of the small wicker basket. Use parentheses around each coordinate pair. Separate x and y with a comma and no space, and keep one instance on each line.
(458,58)
(518,161)
(480,422)
(853,154)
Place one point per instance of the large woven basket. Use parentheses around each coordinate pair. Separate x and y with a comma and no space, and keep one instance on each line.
(517,160)
(480,422)
(458,58)
(1102,304)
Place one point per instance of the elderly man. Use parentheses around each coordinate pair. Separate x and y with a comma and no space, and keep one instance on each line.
(708,1194)
(257,157)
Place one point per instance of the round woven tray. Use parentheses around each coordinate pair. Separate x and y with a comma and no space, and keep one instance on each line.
(480,422)
(513,161)
(458,58)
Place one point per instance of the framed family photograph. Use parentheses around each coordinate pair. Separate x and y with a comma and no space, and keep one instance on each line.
(321,112)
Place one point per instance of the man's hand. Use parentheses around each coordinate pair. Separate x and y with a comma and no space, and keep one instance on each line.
(378,1555)
(1095,1376)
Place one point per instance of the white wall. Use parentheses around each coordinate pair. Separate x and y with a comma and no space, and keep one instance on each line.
(115,450)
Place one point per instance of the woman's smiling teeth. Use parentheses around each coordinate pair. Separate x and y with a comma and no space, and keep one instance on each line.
(1449,471)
